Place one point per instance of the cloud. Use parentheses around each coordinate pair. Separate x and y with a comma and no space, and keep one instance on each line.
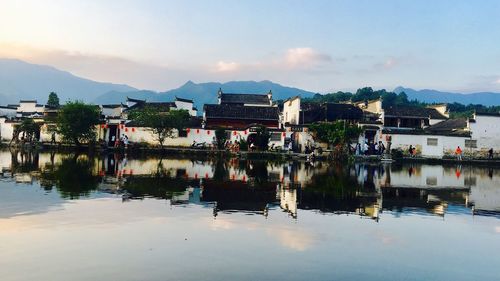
(389,63)
(300,57)
(296,59)
(294,239)
(223,66)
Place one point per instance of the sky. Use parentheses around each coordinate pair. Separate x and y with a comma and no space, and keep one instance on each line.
(321,46)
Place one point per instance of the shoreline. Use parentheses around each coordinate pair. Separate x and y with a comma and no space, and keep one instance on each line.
(271,155)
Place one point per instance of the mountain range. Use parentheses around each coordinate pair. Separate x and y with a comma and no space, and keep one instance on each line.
(21,80)
(202,93)
(433,96)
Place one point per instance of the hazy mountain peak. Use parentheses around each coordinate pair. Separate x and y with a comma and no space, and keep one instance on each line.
(23,80)
(434,96)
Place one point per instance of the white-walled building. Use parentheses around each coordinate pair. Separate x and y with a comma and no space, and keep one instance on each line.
(485,131)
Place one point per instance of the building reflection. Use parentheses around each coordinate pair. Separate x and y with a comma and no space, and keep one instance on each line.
(256,186)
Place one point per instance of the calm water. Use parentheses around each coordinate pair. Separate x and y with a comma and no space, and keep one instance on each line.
(66,217)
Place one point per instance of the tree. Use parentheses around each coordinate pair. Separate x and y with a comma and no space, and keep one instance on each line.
(221,137)
(77,122)
(162,124)
(53,100)
(262,137)
(338,133)
(29,129)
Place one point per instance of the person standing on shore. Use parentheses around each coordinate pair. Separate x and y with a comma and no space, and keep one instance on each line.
(490,153)
(458,152)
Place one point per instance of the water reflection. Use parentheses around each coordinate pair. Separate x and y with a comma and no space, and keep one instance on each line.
(255,187)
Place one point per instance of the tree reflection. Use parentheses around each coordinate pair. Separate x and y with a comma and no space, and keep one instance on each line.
(73,177)
(161,184)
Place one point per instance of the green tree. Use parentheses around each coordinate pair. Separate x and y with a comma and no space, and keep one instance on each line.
(77,122)
(53,100)
(221,136)
(162,124)
(28,128)
(262,137)
(336,133)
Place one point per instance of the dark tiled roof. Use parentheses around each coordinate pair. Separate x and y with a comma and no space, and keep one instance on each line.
(315,112)
(135,100)
(244,98)
(49,107)
(8,107)
(184,100)
(494,114)
(449,125)
(231,111)
(341,111)
(159,106)
(111,105)
(28,101)
(194,122)
(413,111)
(311,112)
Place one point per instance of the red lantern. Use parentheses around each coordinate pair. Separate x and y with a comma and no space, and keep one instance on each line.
(284,134)
(102,126)
(234,133)
(197,131)
(126,129)
(245,132)
(133,129)
(208,132)
(188,130)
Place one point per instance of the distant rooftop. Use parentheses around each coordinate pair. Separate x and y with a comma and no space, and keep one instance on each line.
(232,98)
(231,111)
(184,100)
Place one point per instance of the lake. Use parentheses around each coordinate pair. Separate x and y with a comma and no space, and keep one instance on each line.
(113,217)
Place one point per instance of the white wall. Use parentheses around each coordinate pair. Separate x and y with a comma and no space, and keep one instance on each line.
(29,107)
(6,130)
(145,135)
(186,106)
(486,130)
(446,145)
(291,111)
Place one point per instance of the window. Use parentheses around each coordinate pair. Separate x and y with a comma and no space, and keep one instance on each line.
(432,141)
(431,181)
(275,137)
(471,143)
(183,134)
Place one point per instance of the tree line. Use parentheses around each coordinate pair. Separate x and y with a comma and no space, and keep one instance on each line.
(391,99)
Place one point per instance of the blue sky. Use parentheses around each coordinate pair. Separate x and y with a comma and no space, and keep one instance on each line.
(316,45)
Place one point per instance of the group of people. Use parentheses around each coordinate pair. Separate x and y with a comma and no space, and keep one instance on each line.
(119,142)
(233,147)
(366,148)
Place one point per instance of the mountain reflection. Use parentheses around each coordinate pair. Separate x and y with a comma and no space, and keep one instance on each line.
(256,186)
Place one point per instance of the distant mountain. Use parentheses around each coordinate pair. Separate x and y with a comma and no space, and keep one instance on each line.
(203,93)
(22,80)
(433,96)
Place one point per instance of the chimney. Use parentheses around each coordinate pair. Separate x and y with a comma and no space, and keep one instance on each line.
(270,97)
